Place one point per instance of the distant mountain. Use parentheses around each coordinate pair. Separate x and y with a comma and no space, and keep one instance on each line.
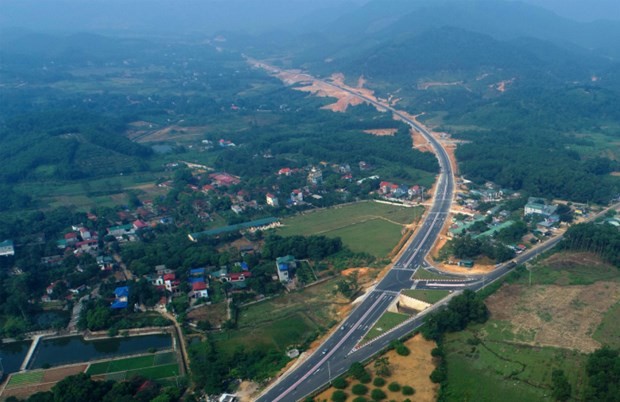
(500,19)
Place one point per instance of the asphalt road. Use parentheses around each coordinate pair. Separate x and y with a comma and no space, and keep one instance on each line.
(337,353)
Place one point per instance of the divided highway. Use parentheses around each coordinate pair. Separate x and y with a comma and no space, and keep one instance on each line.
(337,353)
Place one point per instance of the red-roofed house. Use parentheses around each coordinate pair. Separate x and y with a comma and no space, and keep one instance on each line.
(71,238)
(207,187)
(139,224)
(199,290)
(285,172)
(224,179)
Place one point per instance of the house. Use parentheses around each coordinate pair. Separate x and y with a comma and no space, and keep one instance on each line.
(297,195)
(71,238)
(197,272)
(414,191)
(400,191)
(237,209)
(105,262)
(119,231)
(384,187)
(199,290)
(50,289)
(85,233)
(227,398)
(285,172)
(226,143)
(363,165)
(315,177)
(6,248)
(272,200)
(537,206)
(171,283)
(86,246)
(466,263)
(236,277)
(121,297)
(223,179)
(139,224)
(284,266)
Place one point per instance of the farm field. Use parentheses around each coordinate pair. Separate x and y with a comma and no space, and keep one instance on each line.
(570,310)
(22,385)
(286,319)
(154,366)
(364,227)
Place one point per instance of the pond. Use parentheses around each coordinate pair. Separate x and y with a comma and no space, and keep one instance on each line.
(74,349)
(12,355)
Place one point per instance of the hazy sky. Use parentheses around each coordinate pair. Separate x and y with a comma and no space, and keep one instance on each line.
(215,15)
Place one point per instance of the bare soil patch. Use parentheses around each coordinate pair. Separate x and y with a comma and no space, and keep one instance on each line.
(413,370)
(426,85)
(559,316)
(142,134)
(246,390)
(216,314)
(382,131)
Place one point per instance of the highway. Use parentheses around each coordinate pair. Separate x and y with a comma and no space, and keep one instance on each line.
(340,349)
(337,353)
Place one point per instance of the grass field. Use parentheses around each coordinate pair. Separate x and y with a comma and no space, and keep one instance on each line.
(429,296)
(21,379)
(386,322)
(485,370)
(284,320)
(422,273)
(607,332)
(571,309)
(153,366)
(364,227)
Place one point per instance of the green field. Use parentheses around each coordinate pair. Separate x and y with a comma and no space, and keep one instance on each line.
(21,379)
(386,322)
(153,366)
(288,319)
(607,332)
(482,371)
(429,296)
(364,227)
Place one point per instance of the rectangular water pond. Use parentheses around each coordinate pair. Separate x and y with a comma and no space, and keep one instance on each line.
(12,355)
(74,349)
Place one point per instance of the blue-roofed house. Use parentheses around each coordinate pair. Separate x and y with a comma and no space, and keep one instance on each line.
(244,266)
(284,265)
(121,297)
(197,272)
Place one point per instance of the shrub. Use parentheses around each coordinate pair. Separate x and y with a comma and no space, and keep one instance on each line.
(359,389)
(402,350)
(339,396)
(394,386)
(438,375)
(407,390)
(340,383)
(365,378)
(378,382)
(377,394)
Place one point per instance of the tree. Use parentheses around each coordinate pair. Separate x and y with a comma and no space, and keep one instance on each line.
(359,389)
(382,367)
(339,396)
(394,386)
(407,390)
(377,394)
(340,383)
(561,387)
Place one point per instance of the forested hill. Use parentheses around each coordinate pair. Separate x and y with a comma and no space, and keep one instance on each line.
(66,144)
